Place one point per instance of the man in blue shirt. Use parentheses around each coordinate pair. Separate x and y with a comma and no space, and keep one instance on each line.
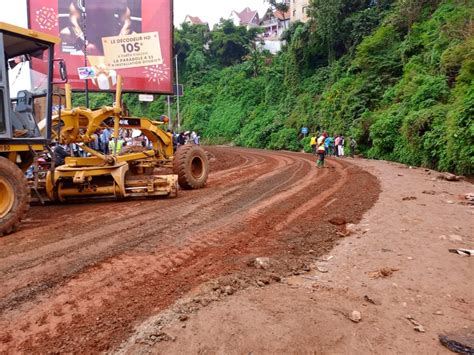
(104,140)
(328,143)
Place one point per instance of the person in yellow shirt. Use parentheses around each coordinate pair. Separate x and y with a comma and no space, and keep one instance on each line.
(312,143)
(321,150)
(115,150)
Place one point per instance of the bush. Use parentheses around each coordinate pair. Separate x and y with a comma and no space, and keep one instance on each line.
(305,142)
(285,139)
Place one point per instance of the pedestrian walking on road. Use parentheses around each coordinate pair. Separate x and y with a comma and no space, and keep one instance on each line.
(312,143)
(340,150)
(353,146)
(327,144)
(321,150)
(336,145)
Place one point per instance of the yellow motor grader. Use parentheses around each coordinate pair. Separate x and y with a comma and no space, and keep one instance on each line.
(124,174)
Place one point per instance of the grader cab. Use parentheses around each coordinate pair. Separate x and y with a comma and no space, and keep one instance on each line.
(28,127)
(22,88)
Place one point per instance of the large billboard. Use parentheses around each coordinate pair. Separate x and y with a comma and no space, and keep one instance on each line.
(103,38)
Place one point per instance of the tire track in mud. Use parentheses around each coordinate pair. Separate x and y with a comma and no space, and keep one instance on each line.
(163,260)
(46,225)
(316,201)
(113,241)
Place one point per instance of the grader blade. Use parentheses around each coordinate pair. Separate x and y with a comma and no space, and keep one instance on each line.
(72,183)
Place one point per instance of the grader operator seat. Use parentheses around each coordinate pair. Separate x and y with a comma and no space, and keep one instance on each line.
(23,121)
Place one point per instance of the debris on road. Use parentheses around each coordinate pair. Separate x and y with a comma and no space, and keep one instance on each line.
(461,343)
(372,301)
(261,263)
(416,325)
(469,199)
(355,316)
(343,234)
(409,198)
(228,290)
(429,192)
(351,228)
(382,273)
(338,221)
(449,177)
(322,269)
(311,278)
(183,317)
(161,336)
(463,252)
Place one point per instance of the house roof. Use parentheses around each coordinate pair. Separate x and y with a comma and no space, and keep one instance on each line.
(195,20)
(282,16)
(246,16)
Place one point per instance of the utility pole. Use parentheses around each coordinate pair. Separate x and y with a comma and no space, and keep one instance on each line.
(178,115)
(168,100)
(84,35)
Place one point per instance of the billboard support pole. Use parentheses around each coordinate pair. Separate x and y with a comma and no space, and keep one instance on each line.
(168,100)
(177,96)
(84,34)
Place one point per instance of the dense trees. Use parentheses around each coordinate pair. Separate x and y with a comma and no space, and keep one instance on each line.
(200,49)
(395,74)
(230,43)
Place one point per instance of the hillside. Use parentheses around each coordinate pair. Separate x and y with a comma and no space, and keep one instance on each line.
(396,75)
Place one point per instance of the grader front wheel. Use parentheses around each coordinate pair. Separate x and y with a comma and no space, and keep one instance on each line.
(191,166)
(14,196)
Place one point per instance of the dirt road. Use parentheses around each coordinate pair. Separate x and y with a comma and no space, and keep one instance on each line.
(79,278)
(395,270)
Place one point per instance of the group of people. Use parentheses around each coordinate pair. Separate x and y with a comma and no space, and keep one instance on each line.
(325,145)
(183,138)
(103,140)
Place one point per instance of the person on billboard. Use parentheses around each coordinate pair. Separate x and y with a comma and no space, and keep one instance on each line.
(104,19)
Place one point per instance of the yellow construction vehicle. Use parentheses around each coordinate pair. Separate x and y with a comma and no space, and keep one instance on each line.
(119,174)
(128,173)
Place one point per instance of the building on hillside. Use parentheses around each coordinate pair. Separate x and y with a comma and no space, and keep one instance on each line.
(299,10)
(194,20)
(274,23)
(247,17)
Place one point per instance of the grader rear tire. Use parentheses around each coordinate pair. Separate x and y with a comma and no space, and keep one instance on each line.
(191,166)
(14,196)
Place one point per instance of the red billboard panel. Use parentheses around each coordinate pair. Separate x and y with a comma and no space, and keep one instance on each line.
(132,38)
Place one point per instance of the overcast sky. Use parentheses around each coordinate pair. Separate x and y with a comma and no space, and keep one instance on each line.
(212,10)
(14,12)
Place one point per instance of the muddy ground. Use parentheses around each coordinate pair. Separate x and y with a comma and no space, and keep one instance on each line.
(180,276)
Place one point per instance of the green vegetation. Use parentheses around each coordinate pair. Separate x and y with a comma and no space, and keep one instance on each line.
(395,74)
